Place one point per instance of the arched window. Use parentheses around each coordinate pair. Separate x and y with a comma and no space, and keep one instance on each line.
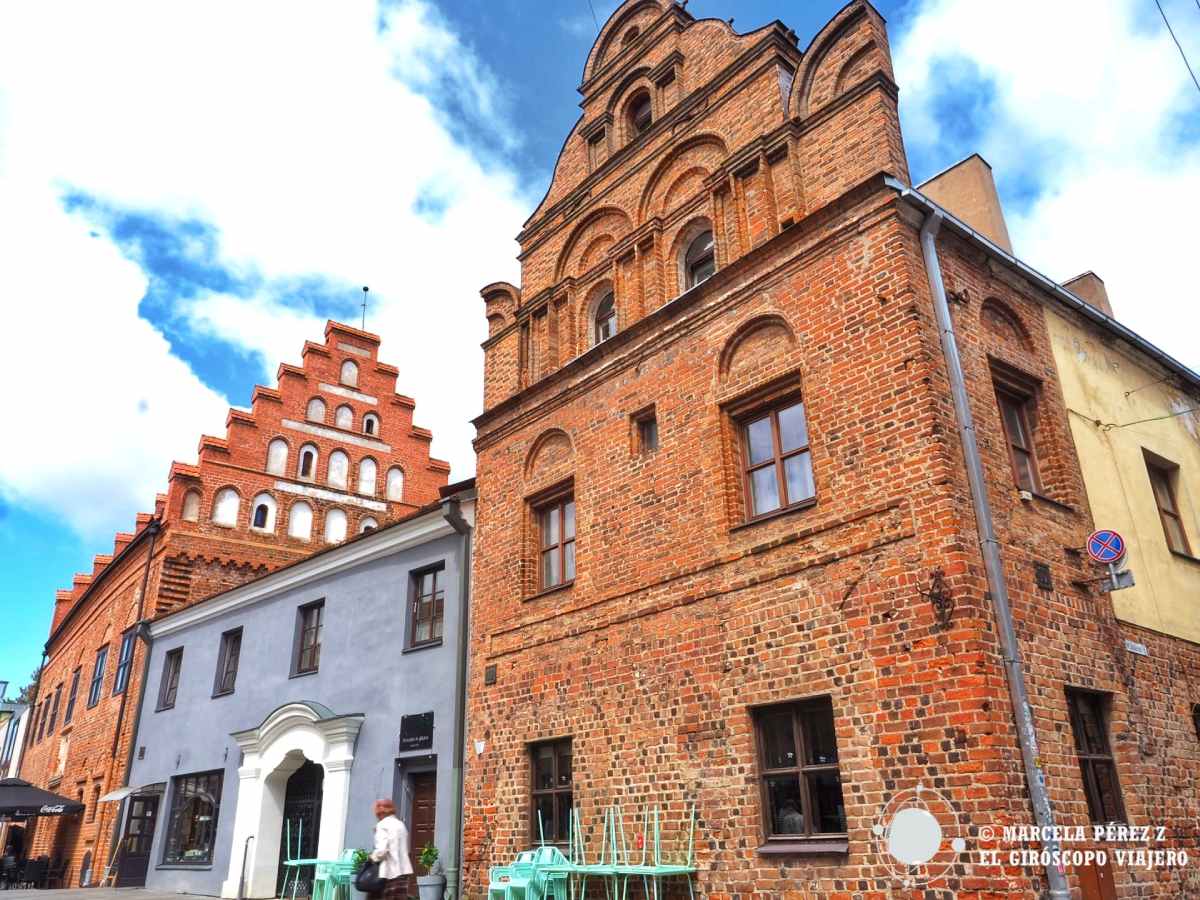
(316,410)
(339,469)
(263,513)
(640,113)
(335,526)
(300,521)
(630,36)
(306,466)
(343,417)
(370,424)
(225,507)
(367,524)
(191,506)
(699,260)
(366,476)
(277,454)
(395,483)
(604,320)
(350,373)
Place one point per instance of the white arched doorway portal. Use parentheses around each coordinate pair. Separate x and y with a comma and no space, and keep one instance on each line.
(271,753)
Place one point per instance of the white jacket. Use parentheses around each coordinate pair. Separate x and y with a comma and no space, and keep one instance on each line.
(391,848)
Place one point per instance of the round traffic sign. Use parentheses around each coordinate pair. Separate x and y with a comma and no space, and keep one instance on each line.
(1106,546)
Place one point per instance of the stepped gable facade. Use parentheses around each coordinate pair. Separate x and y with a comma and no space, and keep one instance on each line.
(726,556)
(332,450)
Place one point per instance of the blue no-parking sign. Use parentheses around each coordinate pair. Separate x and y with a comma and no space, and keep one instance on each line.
(1106,546)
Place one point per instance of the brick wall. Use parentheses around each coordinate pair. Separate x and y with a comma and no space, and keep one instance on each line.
(683,618)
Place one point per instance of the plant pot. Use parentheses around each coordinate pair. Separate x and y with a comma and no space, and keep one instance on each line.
(431,887)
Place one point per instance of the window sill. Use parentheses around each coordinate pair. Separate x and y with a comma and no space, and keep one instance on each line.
(304,674)
(777,514)
(217,694)
(834,846)
(1052,502)
(159,709)
(1187,556)
(190,867)
(426,645)
(550,590)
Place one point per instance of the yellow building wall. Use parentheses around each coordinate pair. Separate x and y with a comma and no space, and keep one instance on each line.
(1102,382)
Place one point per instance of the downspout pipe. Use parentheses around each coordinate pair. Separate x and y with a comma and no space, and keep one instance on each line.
(454,868)
(144,635)
(1014,669)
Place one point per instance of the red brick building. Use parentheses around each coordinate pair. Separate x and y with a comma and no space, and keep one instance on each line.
(329,452)
(726,553)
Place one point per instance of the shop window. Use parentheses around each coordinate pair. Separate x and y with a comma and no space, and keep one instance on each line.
(552,794)
(192,824)
(799,777)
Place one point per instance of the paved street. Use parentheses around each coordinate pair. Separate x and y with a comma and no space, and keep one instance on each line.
(93,894)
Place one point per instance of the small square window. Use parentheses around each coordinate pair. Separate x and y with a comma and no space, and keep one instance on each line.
(645,428)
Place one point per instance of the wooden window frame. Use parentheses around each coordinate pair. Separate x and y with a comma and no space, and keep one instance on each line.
(54,709)
(1090,759)
(644,420)
(168,686)
(96,687)
(556,498)
(833,841)
(769,407)
(1013,387)
(72,696)
(124,662)
(220,689)
(1161,469)
(437,605)
(303,646)
(554,792)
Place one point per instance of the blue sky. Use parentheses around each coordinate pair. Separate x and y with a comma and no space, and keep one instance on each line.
(194,188)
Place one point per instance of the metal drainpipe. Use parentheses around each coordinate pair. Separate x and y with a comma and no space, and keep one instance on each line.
(144,635)
(1013,669)
(454,869)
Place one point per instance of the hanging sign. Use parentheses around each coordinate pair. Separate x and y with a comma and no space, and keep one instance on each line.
(416,732)
(1106,546)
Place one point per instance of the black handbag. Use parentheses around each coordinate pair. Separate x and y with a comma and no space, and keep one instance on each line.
(367,880)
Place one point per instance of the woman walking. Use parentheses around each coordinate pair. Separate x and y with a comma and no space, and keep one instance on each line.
(391,852)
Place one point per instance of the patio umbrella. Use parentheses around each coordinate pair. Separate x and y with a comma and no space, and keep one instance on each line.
(20,799)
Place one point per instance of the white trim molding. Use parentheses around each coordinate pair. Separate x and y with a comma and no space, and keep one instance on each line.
(349,393)
(308,490)
(336,434)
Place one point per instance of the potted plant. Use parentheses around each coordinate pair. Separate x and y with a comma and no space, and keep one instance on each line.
(432,884)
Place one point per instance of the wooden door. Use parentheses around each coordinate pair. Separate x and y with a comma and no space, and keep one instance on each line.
(424,808)
(135,849)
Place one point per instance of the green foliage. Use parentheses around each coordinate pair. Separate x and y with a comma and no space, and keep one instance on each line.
(360,859)
(26,693)
(429,855)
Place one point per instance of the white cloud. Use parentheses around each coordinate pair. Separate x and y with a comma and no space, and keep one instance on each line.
(1087,106)
(305,134)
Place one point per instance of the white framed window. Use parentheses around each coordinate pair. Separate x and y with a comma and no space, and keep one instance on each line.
(191,506)
(370,424)
(604,319)
(366,476)
(367,524)
(262,513)
(335,526)
(339,469)
(226,506)
(300,518)
(306,464)
(343,417)
(395,483)
(699,259)
(350,373)
(277,456)
(316,410)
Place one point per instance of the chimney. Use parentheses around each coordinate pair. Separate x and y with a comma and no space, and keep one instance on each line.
(1089,287)
(967,191)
